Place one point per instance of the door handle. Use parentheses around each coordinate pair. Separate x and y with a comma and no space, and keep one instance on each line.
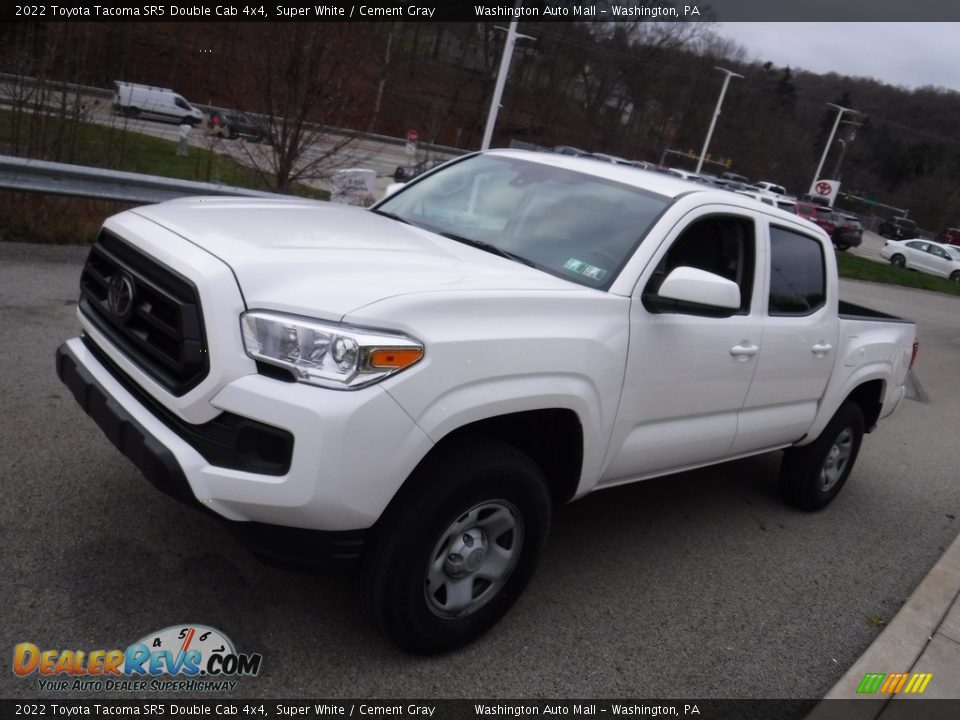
(821,349)
(744,351)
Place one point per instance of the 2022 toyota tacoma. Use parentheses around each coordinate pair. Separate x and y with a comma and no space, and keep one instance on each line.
(418,385)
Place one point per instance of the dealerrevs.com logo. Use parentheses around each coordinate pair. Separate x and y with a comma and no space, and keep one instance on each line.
(180,658)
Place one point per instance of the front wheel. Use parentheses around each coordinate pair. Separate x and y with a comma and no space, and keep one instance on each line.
(955,276)
(898,261)
(457,545)
(811,476)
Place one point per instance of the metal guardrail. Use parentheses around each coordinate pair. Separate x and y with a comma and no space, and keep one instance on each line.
(10,79)
(106,93)
(41,176)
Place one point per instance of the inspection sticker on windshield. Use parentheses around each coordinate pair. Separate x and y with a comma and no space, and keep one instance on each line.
(585,269)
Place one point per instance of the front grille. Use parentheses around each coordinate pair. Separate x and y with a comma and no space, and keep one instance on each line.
(151,313)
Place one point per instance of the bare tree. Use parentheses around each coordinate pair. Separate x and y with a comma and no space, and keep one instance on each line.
(307,78)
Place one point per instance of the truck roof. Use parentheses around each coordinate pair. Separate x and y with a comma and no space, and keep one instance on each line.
(664,184)
(660,183)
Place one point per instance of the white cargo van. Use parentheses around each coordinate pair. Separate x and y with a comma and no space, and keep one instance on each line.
(154,103)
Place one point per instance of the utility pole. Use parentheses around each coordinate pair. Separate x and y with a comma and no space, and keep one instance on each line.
(716,114)
(823,158)
(505,58)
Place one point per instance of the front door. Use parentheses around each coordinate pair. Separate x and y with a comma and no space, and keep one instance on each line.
(688,372)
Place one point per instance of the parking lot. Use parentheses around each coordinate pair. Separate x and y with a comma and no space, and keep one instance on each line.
(696,585)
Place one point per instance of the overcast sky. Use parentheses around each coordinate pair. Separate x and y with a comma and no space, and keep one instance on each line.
(906,54)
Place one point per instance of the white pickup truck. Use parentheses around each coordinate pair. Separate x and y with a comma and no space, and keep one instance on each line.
(416,386)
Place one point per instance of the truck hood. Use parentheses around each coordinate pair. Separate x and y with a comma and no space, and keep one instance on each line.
(327,260)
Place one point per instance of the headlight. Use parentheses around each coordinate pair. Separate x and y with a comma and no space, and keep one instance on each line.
(326,354)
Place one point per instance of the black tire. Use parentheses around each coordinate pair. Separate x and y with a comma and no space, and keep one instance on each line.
(955,276)
(130,112)
(898,261)
(456,484)
(811,476)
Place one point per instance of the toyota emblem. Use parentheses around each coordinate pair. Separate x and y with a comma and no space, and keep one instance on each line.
(120,295)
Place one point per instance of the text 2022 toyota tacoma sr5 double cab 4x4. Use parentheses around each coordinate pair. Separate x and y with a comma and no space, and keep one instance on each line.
(416,386)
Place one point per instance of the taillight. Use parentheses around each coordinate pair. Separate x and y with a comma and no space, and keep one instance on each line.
(916,349)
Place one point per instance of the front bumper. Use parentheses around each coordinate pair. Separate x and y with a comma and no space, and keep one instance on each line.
(350,453)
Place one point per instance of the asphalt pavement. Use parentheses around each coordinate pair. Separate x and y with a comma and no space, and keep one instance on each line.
(699,585)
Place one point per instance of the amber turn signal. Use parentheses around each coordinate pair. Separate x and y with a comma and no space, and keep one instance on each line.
(394,357)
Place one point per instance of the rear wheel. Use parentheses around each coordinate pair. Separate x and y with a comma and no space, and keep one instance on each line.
(813,475)
(457,546)
(898,261)
(130,111)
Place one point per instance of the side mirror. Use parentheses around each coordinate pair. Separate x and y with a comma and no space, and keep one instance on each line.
(695,291)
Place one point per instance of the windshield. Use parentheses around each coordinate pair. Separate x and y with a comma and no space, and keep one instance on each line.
(570,224)
(954,252)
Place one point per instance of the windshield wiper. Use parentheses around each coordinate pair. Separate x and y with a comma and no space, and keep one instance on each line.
(480,244)
(493,249)
(393,216)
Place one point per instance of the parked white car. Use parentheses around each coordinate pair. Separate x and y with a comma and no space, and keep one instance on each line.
(924,255)
(772,187)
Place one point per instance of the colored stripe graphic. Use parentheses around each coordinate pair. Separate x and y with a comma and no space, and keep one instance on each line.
(871,682)
(893,683)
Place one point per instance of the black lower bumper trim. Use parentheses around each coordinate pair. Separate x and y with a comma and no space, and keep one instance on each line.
(151,457)
(292,547)
(272,543)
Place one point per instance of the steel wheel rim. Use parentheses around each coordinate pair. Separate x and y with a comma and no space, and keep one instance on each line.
(838,458)
(473,559)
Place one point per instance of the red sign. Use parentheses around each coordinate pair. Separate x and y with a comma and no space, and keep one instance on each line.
(824,188)
(412,136)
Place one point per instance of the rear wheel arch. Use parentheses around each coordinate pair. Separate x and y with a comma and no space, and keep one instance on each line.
(869,397)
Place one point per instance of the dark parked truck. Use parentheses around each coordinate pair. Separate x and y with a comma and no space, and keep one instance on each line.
(898,228)
(418,386)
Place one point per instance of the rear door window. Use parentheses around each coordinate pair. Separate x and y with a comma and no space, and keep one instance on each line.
(797,273)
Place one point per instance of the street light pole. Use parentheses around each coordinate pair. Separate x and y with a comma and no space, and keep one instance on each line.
(823,158)
(716,114)
(843,151)
(505,58)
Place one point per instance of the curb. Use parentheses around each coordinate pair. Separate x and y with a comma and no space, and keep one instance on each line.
(902,643)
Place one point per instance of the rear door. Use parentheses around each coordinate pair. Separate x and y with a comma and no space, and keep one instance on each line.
(800,337)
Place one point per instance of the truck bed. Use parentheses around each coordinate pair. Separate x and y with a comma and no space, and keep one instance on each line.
(851,311)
